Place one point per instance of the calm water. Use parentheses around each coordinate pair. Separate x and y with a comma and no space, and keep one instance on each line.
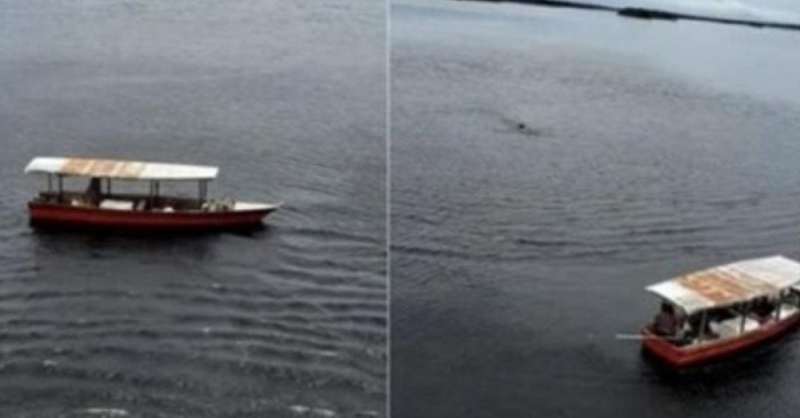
(519,252)
(288,99)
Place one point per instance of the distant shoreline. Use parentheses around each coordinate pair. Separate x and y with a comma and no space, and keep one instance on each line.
(652,14)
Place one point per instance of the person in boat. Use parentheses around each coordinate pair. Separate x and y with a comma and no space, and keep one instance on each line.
(696,324)
(763,308)
(666,323)
(93,191)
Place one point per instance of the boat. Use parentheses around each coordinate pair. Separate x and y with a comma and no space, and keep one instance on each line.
(100,207)
(723,311)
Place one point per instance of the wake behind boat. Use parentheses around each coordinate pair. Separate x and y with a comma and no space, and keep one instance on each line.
(723,311)
(99,207)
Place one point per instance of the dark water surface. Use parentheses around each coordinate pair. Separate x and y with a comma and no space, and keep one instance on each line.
(288,99)
(546,166)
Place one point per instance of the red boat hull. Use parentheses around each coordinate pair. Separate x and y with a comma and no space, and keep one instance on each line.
(50,215)
(687,356)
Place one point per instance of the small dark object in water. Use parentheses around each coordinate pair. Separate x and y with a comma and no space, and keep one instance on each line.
(528,130)
(515,125)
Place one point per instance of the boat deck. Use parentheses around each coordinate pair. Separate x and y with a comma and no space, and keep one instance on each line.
(729,328)
(138,202)
(146,203)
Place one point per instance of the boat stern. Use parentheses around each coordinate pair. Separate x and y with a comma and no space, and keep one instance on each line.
(663,349)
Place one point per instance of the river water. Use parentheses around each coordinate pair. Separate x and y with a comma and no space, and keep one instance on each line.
(547,165)
(288,100)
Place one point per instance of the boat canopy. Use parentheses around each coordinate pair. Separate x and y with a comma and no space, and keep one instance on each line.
(729,284)
(119,169)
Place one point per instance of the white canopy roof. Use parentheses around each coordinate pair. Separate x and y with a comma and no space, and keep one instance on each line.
(729,284)
(119,169)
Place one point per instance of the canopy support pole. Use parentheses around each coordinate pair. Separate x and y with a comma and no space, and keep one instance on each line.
(744,317)
(778,308)
(202,190)
(156,187)
(152,194)
(49,183)
(60,188)
(703,324)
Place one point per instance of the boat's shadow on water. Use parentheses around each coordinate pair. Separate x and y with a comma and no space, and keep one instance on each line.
(193,245)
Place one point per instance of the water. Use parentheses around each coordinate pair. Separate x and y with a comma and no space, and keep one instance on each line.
(288,99)
(546,166)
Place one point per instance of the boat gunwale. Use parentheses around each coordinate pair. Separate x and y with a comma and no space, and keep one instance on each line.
(191,212)
(710,350)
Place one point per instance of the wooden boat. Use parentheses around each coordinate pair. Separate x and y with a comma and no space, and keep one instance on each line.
(98,207)
(724,311)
